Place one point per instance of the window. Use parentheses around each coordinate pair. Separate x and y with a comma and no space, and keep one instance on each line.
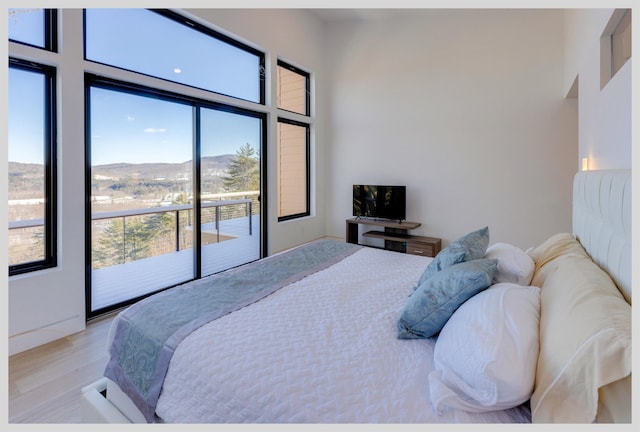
(153,43)
(293,169)
(621,42)
(31,156)
(293,89)
(34,26)
(294,137)
(615,45)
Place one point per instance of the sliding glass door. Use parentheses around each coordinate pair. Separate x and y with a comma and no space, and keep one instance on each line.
(174,190)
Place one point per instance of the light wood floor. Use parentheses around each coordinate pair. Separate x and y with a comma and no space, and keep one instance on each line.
(45,382)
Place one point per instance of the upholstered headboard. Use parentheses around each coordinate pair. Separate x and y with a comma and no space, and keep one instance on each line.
(602,221)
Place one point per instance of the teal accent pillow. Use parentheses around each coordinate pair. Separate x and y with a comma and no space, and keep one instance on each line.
(469,247)
(433,302)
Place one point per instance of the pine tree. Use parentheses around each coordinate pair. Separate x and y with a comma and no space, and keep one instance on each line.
(243,171)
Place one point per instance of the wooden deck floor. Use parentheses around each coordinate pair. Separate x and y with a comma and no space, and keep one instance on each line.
(115,284)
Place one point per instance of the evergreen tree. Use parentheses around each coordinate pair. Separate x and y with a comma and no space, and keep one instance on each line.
(243,171)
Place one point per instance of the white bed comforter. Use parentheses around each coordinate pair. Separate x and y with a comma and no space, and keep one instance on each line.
(323,350)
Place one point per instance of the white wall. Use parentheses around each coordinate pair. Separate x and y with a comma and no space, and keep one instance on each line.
(466,108)
(604,114)
(49,304)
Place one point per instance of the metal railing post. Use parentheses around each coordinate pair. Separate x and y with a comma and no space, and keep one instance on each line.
(218,224)
(177,230)
(124,240)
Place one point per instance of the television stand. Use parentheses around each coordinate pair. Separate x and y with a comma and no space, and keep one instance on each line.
(395,235)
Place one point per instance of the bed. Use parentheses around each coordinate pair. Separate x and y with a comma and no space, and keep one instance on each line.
(332,332)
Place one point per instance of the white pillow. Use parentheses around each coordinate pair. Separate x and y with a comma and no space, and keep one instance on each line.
(486,354)
(514,264)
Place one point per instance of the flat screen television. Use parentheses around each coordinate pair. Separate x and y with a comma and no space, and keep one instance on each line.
(381,202)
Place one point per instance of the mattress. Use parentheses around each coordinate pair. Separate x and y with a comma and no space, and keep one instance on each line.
(321,350)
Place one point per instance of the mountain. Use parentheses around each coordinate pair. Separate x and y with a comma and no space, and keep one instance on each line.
(121,179)
(210,166)
(25,180)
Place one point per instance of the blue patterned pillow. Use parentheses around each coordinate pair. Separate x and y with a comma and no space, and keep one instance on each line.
(434,301)
(469,247)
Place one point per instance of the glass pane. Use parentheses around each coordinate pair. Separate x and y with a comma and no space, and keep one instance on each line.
(27,26)
(230,189)
(26,156)
(147,42)
(292,91)
(292,170)
(141,195)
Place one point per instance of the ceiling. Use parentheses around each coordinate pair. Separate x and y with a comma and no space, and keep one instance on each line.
(361,14)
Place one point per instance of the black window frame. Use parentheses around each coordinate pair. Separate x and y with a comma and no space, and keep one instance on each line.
(180,19)
(307,127)
(50,32)
(50,167)
(307,77)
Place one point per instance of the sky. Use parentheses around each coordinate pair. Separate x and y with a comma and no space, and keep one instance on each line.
(25,87)
(135,129)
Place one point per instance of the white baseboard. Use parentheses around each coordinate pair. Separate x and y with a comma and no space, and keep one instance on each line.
(40,336)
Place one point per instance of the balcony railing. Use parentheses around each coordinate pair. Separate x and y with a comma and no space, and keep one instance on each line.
(168,261)
(182,236)
(29,223)
(211,215)
(248,203)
